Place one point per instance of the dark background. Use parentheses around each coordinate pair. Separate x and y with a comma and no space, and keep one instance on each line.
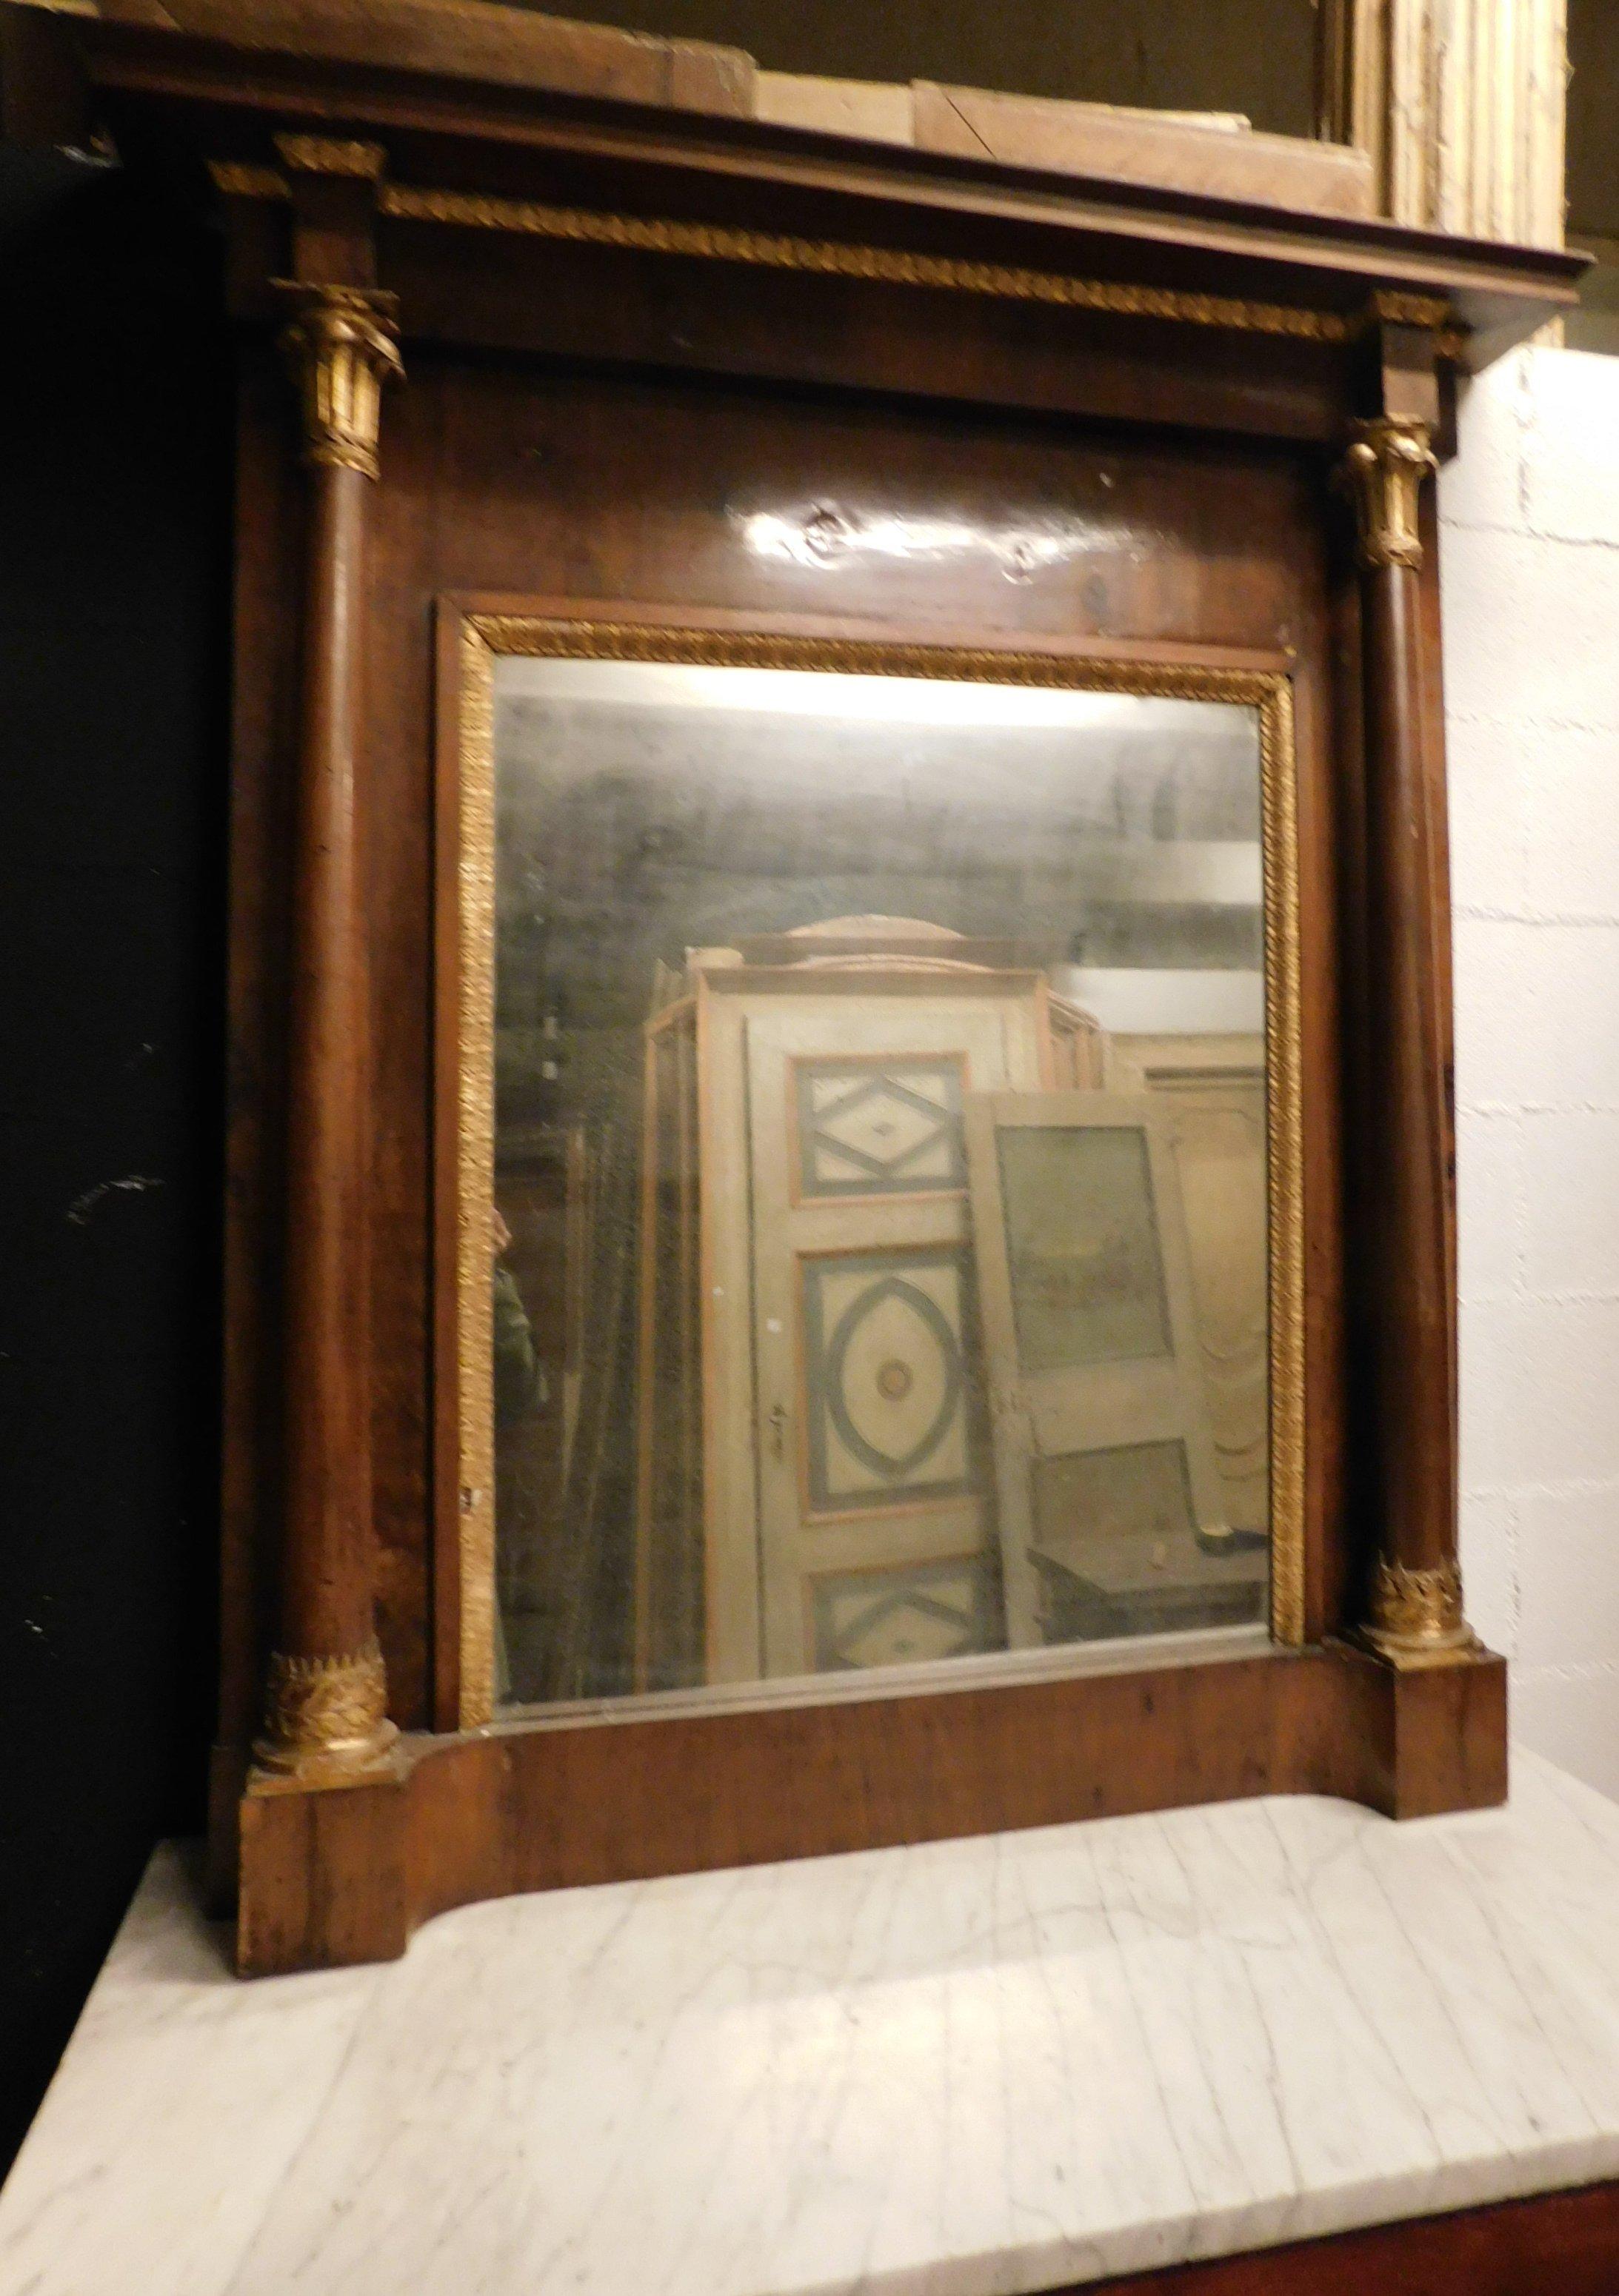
(113,509)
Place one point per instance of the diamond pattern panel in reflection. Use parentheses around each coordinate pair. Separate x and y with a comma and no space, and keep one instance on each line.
(867,1129)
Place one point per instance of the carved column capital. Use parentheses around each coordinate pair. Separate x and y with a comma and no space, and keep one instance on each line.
(1416,1617)
(1383,472)
(341,344)
(324,1716)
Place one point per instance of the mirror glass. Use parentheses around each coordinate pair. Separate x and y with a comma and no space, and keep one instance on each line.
(879,1241)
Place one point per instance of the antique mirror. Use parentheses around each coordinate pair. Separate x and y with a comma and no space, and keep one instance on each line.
(879,1188)
(839,1210)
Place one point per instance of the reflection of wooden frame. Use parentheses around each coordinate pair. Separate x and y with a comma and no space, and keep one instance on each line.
(668,1477)
(483,636)
(1097,1402)
(1210,1092)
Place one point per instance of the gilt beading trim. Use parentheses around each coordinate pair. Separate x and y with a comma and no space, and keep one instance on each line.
(851,259)
(328,155)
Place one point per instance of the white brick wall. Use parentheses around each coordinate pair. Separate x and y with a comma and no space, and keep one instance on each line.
(1531,514)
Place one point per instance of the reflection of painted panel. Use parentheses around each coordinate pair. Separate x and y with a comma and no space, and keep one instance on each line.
(1112,1370)
(1083,1241)
(870,1129)
(884,1377)
(892,1618)
(1131,1490)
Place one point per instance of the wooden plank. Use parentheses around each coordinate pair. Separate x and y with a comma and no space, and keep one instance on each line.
(507,46)
(1460,107)
(1227,161)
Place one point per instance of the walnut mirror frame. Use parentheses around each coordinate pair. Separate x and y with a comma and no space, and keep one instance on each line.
(514,356)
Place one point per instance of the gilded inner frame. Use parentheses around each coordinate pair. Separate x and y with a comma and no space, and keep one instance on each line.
(481,639)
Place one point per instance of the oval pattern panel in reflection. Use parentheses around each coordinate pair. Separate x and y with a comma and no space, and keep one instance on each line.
(894,1377)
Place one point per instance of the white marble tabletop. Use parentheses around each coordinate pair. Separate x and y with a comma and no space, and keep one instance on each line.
(973,2069)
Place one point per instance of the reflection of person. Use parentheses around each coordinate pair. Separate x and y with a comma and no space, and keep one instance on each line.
(517,1371)
(519,1386)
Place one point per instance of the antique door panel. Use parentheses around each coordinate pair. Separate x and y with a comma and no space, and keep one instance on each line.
(1111,1513)
(1210,1092)
(860,1521)
(877,1542)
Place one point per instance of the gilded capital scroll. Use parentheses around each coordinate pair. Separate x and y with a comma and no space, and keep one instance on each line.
(341,346)
(1383,471)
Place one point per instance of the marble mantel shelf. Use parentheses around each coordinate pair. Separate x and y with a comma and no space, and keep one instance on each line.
(973,2069)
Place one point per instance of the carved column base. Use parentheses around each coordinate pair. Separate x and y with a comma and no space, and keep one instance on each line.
(1416,1617)
(325,1717)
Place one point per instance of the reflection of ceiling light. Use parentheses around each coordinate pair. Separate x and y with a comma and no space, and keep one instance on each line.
(822,536)
(829,693)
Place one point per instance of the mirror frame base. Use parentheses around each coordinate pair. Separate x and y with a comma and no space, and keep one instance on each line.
(335,1874)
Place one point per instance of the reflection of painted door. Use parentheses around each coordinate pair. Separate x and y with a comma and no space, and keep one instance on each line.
(1211,1094)
(1111,1514)
(848,1509)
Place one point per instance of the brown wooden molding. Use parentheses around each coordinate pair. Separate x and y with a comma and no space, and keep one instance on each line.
(552,1801)
(664,235)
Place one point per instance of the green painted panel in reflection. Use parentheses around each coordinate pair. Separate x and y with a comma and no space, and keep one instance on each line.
(1082,1239)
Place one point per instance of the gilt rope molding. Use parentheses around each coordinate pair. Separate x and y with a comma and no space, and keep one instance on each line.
(897,266)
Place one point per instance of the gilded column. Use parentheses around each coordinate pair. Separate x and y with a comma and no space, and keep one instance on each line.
(326,1710)
(1407,1145)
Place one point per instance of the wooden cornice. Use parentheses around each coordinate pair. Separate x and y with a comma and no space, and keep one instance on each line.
(470,154)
